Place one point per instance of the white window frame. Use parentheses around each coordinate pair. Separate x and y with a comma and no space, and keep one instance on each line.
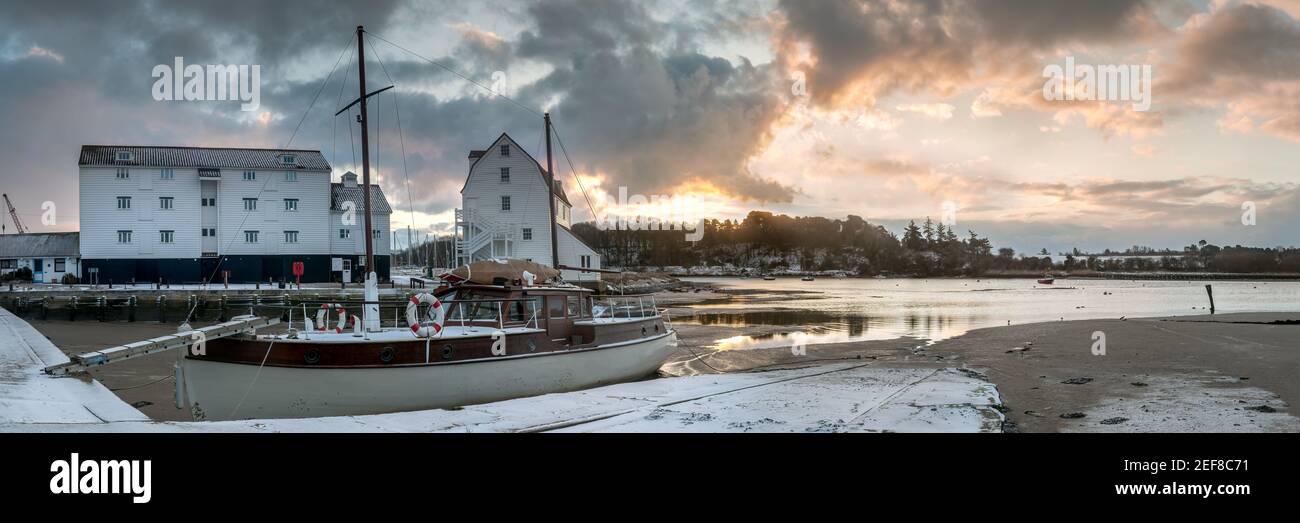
(505,175)
(166,203)
(290,176)
(124,203)
(125,156)
(288,159)
(345,234)
(505,150)
(505,204)
(290,236)
(123,173)
(250,176)
(166,236)
(291,205)
(250,236)
(527,233)
(250,204)
(123,236)
(167,174)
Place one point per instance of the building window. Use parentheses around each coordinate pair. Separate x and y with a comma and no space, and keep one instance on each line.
(288,159)
(167,174)
(209,232)
(209,202)
(505,203)
(290,176)
(345,234)
(505,175)
(250,236)
(505,150)
(250,176)
(290,236)
(123,202)
(166,236)
(123,173)
(290,204)
(60,265)
(125,156)
(528,233)
(250,204)
(123,236)
(165,202)
(586,261)
(375,234)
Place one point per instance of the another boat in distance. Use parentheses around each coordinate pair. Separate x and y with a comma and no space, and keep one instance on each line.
(806,278)
(1047,279)
(769,278)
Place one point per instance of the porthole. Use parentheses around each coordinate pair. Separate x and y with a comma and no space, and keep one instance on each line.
(312,356)
(446,352)
(643,331)
(386,354)
(656,327)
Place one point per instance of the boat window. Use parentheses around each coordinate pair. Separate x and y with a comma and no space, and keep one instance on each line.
(555,306)
(518,311)
(575,307)
(486,310)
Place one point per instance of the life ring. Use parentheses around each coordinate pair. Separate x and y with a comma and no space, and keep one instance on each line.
(436,311)
(322,323)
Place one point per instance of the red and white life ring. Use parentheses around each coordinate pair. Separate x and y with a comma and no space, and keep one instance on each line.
(437,313)
(321,323)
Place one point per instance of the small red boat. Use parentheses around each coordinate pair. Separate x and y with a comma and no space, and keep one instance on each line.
(1047,281)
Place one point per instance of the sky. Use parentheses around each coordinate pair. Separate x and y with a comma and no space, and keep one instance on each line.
(887,110)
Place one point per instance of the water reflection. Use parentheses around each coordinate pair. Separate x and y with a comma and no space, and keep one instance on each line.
(842,310)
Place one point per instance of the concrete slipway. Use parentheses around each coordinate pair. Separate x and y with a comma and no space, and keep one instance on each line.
(850,397)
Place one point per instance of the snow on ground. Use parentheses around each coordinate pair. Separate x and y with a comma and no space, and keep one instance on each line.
(830,398)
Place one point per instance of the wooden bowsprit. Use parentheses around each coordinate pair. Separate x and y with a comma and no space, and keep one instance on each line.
(83,362)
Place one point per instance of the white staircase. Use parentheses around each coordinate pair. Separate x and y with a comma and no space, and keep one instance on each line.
(477,237)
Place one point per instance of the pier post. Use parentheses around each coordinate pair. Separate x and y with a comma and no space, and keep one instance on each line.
(222,317)
(162,305)
(72,309)
(130,309)
(1210,291)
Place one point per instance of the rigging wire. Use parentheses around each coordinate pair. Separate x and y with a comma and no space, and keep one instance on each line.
(247,213)
(397,110)
(457,73)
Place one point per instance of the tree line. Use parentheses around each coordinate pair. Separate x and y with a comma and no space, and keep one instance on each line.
(764,241)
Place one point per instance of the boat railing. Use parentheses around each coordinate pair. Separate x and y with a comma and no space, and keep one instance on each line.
(629,306)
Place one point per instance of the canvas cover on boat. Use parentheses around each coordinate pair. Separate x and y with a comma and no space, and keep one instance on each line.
(488,272)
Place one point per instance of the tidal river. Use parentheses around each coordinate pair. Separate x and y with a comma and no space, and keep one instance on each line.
(839,310)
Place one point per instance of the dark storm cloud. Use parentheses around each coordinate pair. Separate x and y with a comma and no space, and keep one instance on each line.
(865,48)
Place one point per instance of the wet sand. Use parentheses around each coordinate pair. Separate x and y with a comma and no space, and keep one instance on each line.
(1223,373)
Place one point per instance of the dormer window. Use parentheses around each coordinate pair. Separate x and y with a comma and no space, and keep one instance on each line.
(125,156)
(288,159)
(505,150)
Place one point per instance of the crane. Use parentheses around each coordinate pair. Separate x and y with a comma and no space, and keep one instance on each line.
(14,214)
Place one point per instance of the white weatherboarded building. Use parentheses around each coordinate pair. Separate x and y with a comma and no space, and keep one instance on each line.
(504,213)
(184,214)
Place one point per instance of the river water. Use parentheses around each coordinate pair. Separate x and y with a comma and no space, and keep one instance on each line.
(849,309)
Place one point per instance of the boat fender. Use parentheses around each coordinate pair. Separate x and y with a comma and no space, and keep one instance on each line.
(436,312)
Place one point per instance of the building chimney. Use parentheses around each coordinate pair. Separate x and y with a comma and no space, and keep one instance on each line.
(349,179)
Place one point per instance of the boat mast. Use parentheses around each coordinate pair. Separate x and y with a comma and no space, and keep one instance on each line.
(365,151)
(550,184)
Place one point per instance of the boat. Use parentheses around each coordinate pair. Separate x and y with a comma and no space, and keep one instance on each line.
(769,278)
(499,329)
(1047,280)
(806,278)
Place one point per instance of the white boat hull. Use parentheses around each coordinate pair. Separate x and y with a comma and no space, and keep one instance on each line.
(218,391)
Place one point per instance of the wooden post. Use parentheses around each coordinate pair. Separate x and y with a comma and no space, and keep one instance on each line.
(1210,291)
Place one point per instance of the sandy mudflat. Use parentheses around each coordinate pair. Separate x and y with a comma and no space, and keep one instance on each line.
(1223,373)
